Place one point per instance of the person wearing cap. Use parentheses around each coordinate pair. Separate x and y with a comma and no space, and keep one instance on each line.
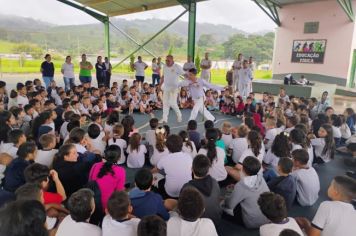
(196,89)
(47,70)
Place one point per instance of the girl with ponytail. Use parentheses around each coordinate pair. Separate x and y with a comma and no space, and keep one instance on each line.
(188,146)
(215,154)
(109,176)
(159,150)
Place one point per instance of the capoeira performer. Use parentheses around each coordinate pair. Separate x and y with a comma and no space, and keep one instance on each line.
(170,87)
(245,80)
(205,65)
(196,89)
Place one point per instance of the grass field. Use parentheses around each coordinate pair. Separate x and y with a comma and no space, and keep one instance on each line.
(33,66)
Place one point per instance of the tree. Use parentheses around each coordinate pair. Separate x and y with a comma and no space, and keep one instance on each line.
(27,48)
(206,40)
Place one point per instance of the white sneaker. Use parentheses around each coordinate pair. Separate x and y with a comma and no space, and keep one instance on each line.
(162,122)
(179,119)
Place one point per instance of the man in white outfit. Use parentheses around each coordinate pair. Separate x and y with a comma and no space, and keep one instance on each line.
(236,67)
(170,87)
(196,89)
(205,65)
(245,80)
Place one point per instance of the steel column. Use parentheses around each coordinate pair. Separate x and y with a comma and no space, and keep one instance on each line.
(107,37)
(192,6)
(346,5)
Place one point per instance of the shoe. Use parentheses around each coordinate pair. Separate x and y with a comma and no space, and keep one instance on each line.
(179,119)
(162,122)
(215,121)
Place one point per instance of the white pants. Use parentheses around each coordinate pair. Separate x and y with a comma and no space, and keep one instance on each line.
(244,89)
(235,80)
(199,107)
(205,74)
(170,101)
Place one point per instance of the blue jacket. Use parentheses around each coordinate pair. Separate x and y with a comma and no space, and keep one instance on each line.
(147,203)
(14,176)
(285,186)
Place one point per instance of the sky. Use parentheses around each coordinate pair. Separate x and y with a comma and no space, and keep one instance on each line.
(240,14)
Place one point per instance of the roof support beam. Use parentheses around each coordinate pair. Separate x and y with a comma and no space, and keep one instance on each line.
(151,38)
(99,17)
(346,5)
(192,29)
(270,8)
(131,39)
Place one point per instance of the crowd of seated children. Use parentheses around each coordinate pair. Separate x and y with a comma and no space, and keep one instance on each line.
(273,150)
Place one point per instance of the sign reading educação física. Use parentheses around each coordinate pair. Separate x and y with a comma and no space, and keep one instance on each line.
(309,51)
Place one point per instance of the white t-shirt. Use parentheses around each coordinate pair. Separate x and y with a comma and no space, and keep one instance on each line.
(238,146)
(226,138)
(155,67)
(157,155)
(308,186)
(335,218)
(270,136)
(136,159)
(113,227)
(275,229)
(178,169)
(68,70)
(249,152)
(70,227)
(98,143)
(188,65)
(201,227)
(345,131)
(319,144)
(22,100)
(310,152)
(217,169)
(191,151)
(63,131)
(151,137)
(45,157)
(171,76)
(336,132)
(140,68)
(9,148)
(271,158)
(123,145)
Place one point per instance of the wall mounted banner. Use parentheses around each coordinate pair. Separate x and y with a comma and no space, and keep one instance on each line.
(309,51)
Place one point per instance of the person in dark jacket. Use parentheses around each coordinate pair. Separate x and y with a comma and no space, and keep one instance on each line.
(100,71)
(72,172)
(143,200)
(194,135)
(14,173)
(285,184)
(208,187)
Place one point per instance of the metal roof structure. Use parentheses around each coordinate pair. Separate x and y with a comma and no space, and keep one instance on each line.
(123,7)
(288,2)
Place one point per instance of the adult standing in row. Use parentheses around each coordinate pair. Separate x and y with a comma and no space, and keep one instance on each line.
(140,68)
(108,71)
(47,70)
(189,64)
(156,77)
(236,67)
(245,79)
(85,71)
(205,65)
(170,87)
(100,71)
(68,74)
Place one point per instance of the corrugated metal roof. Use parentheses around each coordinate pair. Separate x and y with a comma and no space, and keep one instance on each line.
(123,7)
(288,2)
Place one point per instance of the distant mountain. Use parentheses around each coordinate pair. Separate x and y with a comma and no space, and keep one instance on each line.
(17,23)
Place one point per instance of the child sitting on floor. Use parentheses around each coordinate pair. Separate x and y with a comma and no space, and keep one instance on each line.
(144,201)
(136,152)
(284,184)
(335,217)
(118,131)
(119,218)
(190,208)
(242,206)
(46,154)
(274,208)
(308,184)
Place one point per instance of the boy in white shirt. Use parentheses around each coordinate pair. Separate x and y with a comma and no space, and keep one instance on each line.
(274,208)
(22,99)
(308,184)
(271,133)
(239,144)
(81,206)
(97,137)
(118,216)
(335,217)
(292,121)
(46,154)
(16,137)
(177,166)
(188,222)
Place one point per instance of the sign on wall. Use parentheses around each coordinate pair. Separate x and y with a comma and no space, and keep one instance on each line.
(309,51)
